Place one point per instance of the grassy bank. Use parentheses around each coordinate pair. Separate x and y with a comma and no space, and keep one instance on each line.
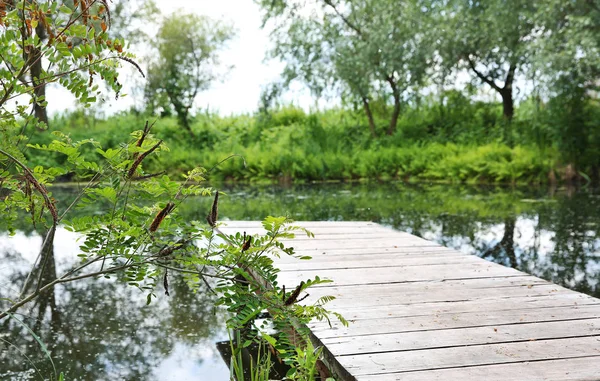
(290,145)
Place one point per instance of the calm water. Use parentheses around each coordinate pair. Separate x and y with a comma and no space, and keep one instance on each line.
(102,330)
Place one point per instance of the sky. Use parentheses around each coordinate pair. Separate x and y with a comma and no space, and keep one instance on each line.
(240,91)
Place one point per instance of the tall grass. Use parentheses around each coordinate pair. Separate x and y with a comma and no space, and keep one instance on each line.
(456,141)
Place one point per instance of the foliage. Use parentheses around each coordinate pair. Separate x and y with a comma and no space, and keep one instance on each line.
(448,139)
(387,54)
(491,39)
(186,63)
(307,359)
(144,239)
(369,49)
(569,67)
(260,367)
(140,237)
(570,44)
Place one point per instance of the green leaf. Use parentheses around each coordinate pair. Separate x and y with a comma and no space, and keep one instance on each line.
(66,10)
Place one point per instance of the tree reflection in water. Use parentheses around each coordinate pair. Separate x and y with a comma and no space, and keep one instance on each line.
(553,234)
(101,329)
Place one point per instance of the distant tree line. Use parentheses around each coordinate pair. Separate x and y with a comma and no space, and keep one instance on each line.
(391,49)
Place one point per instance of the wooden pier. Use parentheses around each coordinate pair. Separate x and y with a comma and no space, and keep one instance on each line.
(419,311)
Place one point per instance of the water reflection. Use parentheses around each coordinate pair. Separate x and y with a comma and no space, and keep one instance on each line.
(553,234)
(100,330)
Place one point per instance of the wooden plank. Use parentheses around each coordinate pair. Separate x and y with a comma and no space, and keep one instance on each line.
(358,312)
(324,257)
(319,231)
(363,252)
(324,239)
(497,294)
(394,342)
(428,292)
(521,280)
(384,243)
(421,311)
(372,261)
(388,325)
(352,276)
(573,369)
(380,363)
(324,234)
(307,224)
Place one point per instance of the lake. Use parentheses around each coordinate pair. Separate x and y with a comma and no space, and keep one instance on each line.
(102,329)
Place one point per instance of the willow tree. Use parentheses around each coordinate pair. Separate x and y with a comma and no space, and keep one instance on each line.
(187,62)
(491,39)
(568,64)
(364,49)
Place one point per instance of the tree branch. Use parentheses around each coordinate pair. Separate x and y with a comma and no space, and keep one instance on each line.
(482,76)
(36,184)
(349,23)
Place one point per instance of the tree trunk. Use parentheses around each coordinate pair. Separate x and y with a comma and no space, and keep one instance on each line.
(508,110)
(40,111)
(508,106)
(182,113)
(396,111)
(35,71)
(508,241)
(367,108)
(395,114)
(505,92)
(505,249)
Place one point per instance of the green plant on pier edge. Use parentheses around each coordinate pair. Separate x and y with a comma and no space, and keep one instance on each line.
(141,237)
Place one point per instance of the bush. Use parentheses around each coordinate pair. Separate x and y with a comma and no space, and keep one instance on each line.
(448,138)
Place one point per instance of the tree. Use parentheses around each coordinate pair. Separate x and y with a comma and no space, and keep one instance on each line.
(569,42)
(48,32)
(139,236)
(361,48)
(568,64)
(491,39)
(187,62)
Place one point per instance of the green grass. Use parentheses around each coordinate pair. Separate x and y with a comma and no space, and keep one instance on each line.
(290,145)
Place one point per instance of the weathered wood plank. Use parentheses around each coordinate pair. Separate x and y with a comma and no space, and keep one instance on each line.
(307,224)
(358,312)
(574,369)
(447,296)
(372,261)
(365,243)
(380,363)
(421,311)
(319,231)
(353,276)
(363,252)
(404,341)
(429,291)
(382,326)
